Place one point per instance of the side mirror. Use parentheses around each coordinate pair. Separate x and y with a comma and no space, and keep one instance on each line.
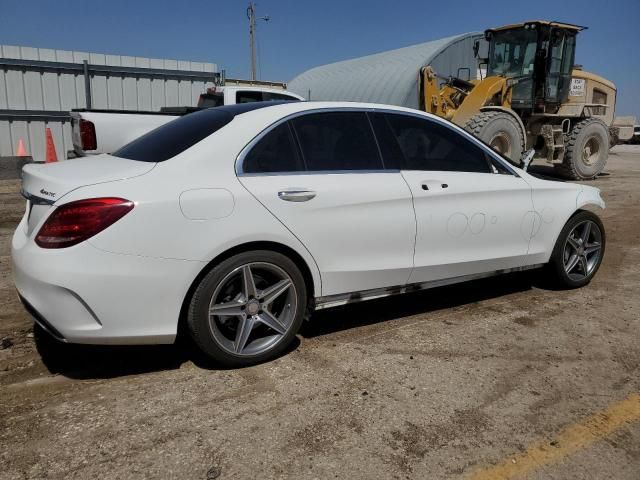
(527,158)
(476,48)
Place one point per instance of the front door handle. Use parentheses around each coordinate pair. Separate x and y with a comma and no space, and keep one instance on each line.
(434,185)
(296,195)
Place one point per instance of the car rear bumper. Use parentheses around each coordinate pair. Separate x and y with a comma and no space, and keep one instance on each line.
(82,294)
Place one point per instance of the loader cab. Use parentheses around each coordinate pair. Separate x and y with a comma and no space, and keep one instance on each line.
(538,59)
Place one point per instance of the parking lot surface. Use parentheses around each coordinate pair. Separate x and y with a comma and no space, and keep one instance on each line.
(499,378)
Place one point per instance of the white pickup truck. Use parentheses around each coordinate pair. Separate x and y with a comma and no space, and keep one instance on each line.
(104,131)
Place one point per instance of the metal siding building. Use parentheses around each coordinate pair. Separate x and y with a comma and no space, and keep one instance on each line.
(389,77)
(39,86)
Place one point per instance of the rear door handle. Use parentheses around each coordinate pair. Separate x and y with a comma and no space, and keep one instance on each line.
(434,185)
(296,195)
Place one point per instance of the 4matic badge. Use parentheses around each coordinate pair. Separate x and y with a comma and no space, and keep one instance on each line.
(48,194)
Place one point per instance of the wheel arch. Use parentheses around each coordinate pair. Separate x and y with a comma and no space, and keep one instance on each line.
(589,197)
(313,287)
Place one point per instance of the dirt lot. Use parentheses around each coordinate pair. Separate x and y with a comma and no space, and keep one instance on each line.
(500,378)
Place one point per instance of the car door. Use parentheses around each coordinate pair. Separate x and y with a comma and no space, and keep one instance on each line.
(473,213)
(322,176)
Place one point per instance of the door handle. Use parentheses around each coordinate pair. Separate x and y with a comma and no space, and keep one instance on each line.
(296,195)
(433,185)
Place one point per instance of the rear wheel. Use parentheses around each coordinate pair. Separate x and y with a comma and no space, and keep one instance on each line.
(579,249)
(587,150)
(248,308)
(501,131)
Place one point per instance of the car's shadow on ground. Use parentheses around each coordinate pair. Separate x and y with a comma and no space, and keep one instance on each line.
(91,362)
(356,315)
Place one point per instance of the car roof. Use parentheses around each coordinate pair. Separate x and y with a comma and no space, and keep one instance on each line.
(240,108)
(283,107)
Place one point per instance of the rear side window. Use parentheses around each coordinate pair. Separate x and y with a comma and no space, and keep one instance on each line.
(208,100)
(169,140)
(275,152)
(391,153)
(426,145)
(268,96)
(248,96)
(337,141)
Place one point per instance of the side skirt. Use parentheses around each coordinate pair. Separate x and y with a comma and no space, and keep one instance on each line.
(355,297)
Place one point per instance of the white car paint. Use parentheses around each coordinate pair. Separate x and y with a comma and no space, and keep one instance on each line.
(467,227)
(361,231)
(370,256)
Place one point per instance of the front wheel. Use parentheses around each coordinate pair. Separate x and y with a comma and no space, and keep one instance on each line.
(248,308)
(501,131)
(578,251)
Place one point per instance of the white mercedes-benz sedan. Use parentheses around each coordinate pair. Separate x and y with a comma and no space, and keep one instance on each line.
(235,222)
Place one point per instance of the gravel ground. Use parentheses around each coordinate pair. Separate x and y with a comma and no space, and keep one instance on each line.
(500,378)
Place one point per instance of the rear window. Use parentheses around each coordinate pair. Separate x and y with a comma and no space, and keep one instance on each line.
(169,140)
(208,100)
(337,141)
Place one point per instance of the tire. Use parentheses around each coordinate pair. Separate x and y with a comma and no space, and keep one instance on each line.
(563,249)
(271,326)
(580,163)
(501,131)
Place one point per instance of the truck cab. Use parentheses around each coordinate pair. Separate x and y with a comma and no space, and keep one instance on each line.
(538,57)
(230,95)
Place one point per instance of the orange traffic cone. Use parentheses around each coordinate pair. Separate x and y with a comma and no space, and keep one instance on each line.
(21,152)
(51,148)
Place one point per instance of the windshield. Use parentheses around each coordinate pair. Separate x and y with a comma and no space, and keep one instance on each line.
(513,53)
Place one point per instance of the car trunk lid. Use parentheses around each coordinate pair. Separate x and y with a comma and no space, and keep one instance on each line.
(45,184)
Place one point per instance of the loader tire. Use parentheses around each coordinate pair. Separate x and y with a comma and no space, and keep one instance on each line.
(500,131)
(587,150)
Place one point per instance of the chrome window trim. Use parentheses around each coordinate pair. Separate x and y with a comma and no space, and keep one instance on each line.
(317,172)
(243,153)
(418,114)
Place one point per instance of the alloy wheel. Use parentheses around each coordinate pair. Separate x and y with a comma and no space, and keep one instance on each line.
(582,250)
(252,308)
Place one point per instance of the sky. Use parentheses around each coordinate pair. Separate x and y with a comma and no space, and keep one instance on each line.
(303,34)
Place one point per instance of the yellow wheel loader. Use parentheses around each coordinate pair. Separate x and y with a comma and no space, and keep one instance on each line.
(531,96)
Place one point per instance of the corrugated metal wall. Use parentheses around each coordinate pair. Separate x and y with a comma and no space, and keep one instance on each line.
(44,89)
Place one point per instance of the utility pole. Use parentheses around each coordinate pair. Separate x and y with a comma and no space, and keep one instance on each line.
(251,15)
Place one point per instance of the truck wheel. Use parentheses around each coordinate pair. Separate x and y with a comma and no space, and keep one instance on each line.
(587,150)
(500,131)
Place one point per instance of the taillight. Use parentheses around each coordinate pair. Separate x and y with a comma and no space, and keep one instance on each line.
(74,222)
(88,135)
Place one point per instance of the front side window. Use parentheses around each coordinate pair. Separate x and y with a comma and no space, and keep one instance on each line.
(275,152)
(427,145)
(337,141)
